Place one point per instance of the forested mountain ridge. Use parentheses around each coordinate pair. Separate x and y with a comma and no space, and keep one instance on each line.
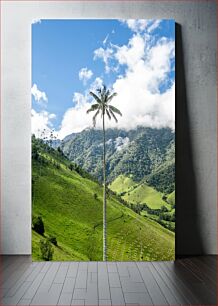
(144,153)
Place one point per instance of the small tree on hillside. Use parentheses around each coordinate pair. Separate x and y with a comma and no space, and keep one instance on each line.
(38,225)
(46,249)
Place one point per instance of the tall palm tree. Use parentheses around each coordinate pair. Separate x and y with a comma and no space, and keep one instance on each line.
(103,107)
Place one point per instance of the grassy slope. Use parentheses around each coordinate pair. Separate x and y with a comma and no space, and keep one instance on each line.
(70,212)
(59,253)
(138,194)
(171,198)
(122,183)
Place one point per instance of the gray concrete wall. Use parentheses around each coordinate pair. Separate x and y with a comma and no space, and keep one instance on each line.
(196,113)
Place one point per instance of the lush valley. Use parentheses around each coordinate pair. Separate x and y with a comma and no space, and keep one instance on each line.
(69,201)
(140,167)
(146,201)
(140,193)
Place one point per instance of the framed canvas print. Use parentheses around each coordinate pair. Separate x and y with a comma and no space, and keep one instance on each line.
(103,140)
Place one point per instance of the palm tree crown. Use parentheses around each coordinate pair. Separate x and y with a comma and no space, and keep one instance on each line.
(102,106)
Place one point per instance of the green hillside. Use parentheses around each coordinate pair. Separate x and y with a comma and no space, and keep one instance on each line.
(160,177)
(59,253)
(171,198)
(122,184)
(70,204)
(138,193)
(146,194)
(146,201)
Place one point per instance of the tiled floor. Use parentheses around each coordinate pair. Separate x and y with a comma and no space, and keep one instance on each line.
(188,281)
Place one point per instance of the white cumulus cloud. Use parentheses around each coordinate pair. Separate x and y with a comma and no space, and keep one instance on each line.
(85,75)
(75,118)
(153,25)
(121,142)
(41,121)
(132,53)
(105,55)
(140,25)
(140,94)
(98,82)
(136,24)
(39,96)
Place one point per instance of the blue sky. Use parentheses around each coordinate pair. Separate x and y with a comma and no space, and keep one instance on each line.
(71,56)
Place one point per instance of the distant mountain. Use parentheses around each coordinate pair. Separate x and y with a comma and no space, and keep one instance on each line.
(55,143)
(144,153)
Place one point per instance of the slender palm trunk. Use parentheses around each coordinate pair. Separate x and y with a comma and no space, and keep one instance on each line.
(104,198)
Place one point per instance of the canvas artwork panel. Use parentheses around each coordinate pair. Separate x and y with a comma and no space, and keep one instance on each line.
(103,140)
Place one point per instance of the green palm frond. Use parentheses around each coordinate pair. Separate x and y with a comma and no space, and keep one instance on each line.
(107,94)
(98,100)
(113,115)
(94,117)
(109,116)
(93,108)
(111,97)
(115,110)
